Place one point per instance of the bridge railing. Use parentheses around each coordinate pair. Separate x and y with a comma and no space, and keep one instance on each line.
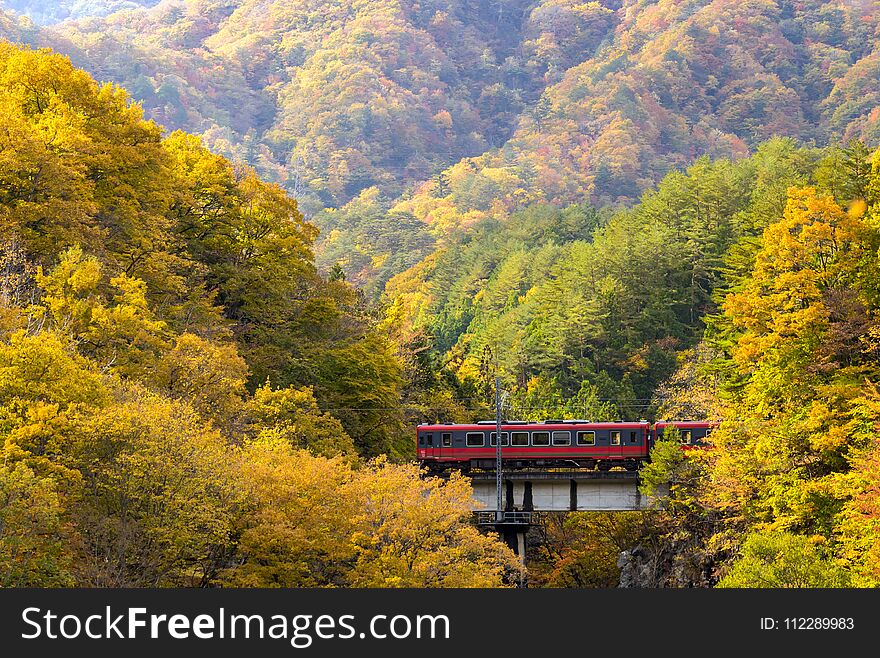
(507,517)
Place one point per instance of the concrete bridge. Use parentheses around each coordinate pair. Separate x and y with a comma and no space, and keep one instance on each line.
(560,491)
(529,491)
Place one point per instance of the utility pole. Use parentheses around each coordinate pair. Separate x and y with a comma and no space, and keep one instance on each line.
(499,514)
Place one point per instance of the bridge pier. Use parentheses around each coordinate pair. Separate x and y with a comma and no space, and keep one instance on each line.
(526,492)
(512,527)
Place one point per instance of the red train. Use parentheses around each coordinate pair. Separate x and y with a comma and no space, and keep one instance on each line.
(549,444)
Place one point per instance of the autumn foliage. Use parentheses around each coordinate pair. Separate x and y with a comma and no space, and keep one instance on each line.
(215,339)
(184,401)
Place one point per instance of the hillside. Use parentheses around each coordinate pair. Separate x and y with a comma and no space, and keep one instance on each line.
(174,241)
(185,400)
(787,496)
(575,306)
(46,13)
(389,88)
(169,362)
(679,80)
(478,110)
(672,81)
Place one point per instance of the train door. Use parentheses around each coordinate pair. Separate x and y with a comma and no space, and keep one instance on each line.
(444,445)
(632,441)
(616,440)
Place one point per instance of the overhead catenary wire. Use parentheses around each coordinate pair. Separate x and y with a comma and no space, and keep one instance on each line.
(634,402)
(508,404)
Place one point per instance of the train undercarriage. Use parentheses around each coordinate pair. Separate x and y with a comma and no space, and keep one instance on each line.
(488,465)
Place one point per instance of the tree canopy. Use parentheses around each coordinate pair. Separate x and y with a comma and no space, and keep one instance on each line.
(184,400)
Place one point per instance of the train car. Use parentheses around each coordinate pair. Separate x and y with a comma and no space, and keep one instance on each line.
(548,444)
(692,433)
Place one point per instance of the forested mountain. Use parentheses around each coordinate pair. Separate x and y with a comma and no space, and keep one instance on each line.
(390,89)
(54,11)
(678,80)
(623,208)
(476,110)
(573,306)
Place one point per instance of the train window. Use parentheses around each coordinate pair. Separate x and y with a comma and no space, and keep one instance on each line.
(540,438)
(562,438)
(447,439)
(686,436)
(519,438)
(633,437)
(421,439)
(586,438)
(430,439)
(475,439)
(505,439)
(615,437)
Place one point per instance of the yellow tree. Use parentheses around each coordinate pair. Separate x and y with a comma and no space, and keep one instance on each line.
(35,541)
(415,532)
(859,520)
(44,385)
(160,492)
(294,414)
(800,358)
(294,529)
(109,321)
(208,375)
(314,521)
